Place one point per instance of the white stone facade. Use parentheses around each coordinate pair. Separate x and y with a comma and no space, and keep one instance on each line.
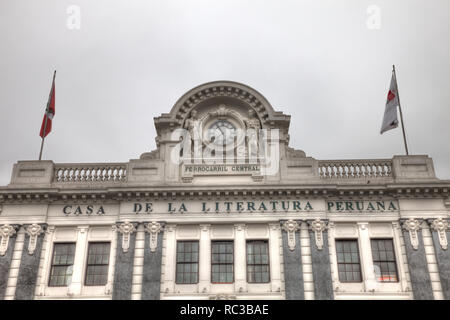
(212,199)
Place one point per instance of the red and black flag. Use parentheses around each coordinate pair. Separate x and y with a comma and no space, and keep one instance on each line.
(49,112)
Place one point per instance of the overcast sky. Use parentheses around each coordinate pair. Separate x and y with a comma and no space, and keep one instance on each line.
(326,63)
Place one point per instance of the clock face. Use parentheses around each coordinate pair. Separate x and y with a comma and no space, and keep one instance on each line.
(221,132)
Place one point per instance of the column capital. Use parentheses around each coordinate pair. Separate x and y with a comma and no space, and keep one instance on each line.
(412,226)
(6,231)
(240,226)
(33,231)
(318,227)
(440,226)
(153,228)
(126,228)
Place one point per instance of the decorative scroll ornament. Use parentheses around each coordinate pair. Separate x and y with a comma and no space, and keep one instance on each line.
(441,226)
(6,231)
(291,227)
(153,228)
(412,225)
(126,229)
(33,230)
(318,226)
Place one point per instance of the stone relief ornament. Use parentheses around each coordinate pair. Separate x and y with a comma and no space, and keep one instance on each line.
(126,229)
(318,226)
(33,230)
(441,226)
(412,225)
(291,227)
(153,228)
(6,231)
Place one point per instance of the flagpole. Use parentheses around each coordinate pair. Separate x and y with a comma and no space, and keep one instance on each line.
(400,108)
(46,117)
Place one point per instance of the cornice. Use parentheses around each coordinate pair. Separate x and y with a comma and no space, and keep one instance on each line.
(167,193)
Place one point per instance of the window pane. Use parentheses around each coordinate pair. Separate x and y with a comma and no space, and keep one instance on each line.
(187,262)
(61,268)
(383,256)
(257,261)
(97,265)
(222,261)
(348,260)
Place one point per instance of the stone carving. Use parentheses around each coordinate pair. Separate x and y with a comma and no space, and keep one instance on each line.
(412,225)
(291,227)
(33,231)
(153,228)
(318,226)
(150,155)
(193,125)
(6,231)
(293,153)
(221,111)
(253,126)
(126,229)
(441,226)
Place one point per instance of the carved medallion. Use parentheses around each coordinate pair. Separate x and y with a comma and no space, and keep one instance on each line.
(6,231)
(412,226)
(318,226)
(126,229)
(153,228)
(33,231)
(291,227)
(441,226)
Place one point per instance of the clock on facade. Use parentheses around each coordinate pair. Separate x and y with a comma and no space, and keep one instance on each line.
(222,132)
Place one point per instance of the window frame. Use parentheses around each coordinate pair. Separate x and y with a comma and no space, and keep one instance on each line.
(232,263)
(183,263)
(394,252)
(87,263)
(357,240)
(266,241)
(74,243)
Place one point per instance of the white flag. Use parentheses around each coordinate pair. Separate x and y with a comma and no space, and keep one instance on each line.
(390,120)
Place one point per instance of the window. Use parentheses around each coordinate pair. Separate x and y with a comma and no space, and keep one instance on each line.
(349,267)
(97,264)
(257,261)
(62,264)
(222,262)
(384,260)
(187,262)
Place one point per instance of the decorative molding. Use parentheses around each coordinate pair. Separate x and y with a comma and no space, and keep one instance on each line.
(153,228)
(126,229)
(239,227)
(291,227)
(222,296)
(6,231)
(440,226)
(412,226)
(33,231)
(318,226)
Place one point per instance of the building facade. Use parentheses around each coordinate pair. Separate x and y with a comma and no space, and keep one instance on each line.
(225,209)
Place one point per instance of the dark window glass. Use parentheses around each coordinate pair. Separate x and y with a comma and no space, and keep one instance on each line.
(349,267)
(97,264)
(257,261)
(187,262)
(222,262)
(62,264)
(384,260)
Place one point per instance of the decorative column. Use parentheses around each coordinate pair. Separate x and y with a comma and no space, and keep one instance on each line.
(320,259)
(441,233)
(292,255)
(240,248)
(365,251)
(205,259)
(170,261)
(417,262)
(275,263)
(8,235)
(123,273)
(29,263)
(151,278)
(78,262)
